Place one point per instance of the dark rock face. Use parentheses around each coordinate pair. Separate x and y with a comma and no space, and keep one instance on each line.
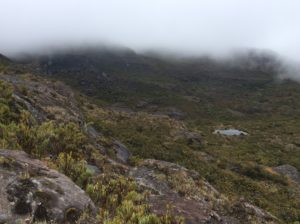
(122,152)
(288,171)
(184,193)
(31,191)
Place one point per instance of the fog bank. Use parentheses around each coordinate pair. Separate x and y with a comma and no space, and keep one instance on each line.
(190,27)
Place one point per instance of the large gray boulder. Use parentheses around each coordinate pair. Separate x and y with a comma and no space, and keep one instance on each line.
(31,191)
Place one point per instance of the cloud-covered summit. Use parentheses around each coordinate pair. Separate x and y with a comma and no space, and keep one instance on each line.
(190,26)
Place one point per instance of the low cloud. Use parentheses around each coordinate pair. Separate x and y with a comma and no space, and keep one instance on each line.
(193,27)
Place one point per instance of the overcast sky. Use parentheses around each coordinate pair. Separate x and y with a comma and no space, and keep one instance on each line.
(192,26)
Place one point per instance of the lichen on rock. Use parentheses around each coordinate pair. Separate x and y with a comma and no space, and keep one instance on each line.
(29,189)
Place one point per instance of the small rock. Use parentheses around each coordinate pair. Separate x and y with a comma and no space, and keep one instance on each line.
(192,137)
(230,132)
(94,169)
(288,171)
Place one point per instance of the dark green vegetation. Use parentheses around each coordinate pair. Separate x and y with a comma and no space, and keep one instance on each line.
(147,101)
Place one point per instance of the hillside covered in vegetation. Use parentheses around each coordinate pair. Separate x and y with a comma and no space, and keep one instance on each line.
(137,134)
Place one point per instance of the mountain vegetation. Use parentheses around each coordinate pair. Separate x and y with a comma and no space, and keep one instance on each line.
(80,111)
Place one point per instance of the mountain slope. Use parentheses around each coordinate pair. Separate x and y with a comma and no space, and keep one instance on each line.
(47,122)
(167,109)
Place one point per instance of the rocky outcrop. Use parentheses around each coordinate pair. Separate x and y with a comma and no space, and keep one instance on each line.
(184,193)
(45,99)
(177,189)
(31,191)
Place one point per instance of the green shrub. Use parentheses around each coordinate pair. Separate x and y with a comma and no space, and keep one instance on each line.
(75,169)
(51,138)
(121,203)
(7,109)
(109,190)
